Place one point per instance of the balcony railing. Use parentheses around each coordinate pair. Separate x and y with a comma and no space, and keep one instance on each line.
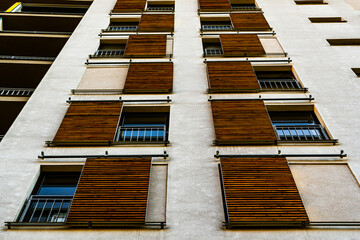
(16,92)
(301,132)
(213,51)
(141,134)
(122,29)
(160,9)
(109,53)
(216,27)
(279,84)
(244,7)
(46,209)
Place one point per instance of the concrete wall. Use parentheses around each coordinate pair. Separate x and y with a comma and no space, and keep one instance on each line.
(194,205)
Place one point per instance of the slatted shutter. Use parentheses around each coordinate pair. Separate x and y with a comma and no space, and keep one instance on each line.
(231,77)
(89,123)
(146,46)
(129,6)
(261,191)
(149,78)
(249,21)
(239,122)
(156,23)
(112,190)
(214,5)
(241,45)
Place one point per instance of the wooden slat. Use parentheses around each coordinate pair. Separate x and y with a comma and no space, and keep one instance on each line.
(129,6)
(149,78)
(241,45)
(261,190)
(156,23)
(231,77)
(112,190)
(146,45)
(242,122)
(214,5)
(249,21)
(89,121)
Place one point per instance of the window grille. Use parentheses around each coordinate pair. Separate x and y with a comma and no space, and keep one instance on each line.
(313,132)
(216,27)
(16,92)
(284,84)
(213,52)
(122,28)
(160,8)
(141,133)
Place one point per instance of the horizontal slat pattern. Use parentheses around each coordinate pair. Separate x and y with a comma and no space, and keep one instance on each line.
(129,6)
(249,21)
(112,190)
(242,122)
(156,23)
(214,5)
(149,77)
(231,77)
(241,45)
(89,121)
(261,190)
(146,45)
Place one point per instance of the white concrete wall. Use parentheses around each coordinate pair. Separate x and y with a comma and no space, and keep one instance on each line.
(194,206)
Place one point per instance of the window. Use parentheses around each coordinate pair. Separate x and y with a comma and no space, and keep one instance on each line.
(356,71)
(226,5)
(297,126)
(344,42)
(123,27)
(49,8)
(306,2)
(326,19)
(277,78)
(160,7)
(243,7)
(212,47)
(142,126)
(51,198)
(108,50)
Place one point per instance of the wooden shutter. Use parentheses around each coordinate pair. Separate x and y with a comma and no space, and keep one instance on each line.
(112,190)
(129,6)
(149,78)
(89,122)
(231,77)
(146,46)
(156,23)
(242,122)
(241,45)
(249,21)
(214,5)
(261,190)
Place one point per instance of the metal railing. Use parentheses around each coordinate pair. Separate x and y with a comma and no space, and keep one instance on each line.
(160,9)
(31,58)
(213,52)
(141,134)
(42,209)
(16,92)
(301,132)
(108,53)
(279,84)
(216,27)
(121,28)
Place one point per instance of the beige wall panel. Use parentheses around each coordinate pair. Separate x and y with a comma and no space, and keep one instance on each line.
(329,192)
(271,45)
(104,78)
(156,208)
(355,4)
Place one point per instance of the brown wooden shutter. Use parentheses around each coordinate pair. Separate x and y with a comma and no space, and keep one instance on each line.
(239,122)
(261,190)
(146,46)
(112,190)
(241,45)
(249,21)
(214,5)
(156,23)
(89,122)
(231,77)
(149,78)
(129,6)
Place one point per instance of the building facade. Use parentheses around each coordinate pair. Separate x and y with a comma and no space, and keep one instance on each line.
(185,120)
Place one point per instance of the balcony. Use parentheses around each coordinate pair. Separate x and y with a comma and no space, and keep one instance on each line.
(109,53)
(141,134)
(313,132)
(44,209)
